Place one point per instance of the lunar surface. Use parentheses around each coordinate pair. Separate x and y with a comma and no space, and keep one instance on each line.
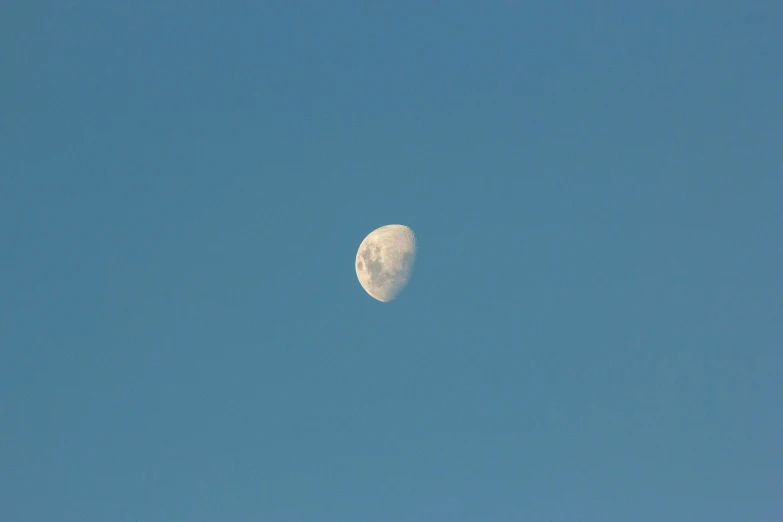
(384,262)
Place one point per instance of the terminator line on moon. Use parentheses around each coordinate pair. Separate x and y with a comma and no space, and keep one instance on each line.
(384,262)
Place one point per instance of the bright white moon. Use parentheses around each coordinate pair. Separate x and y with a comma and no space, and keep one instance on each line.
(384,262)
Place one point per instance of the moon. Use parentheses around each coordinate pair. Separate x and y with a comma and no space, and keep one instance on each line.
(384,262)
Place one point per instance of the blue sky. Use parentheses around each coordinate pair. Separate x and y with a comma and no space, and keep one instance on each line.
(593,329)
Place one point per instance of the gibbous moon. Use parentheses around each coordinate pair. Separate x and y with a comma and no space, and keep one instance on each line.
(384,262)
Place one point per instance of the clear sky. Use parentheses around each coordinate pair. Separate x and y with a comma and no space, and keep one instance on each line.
(593,329)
